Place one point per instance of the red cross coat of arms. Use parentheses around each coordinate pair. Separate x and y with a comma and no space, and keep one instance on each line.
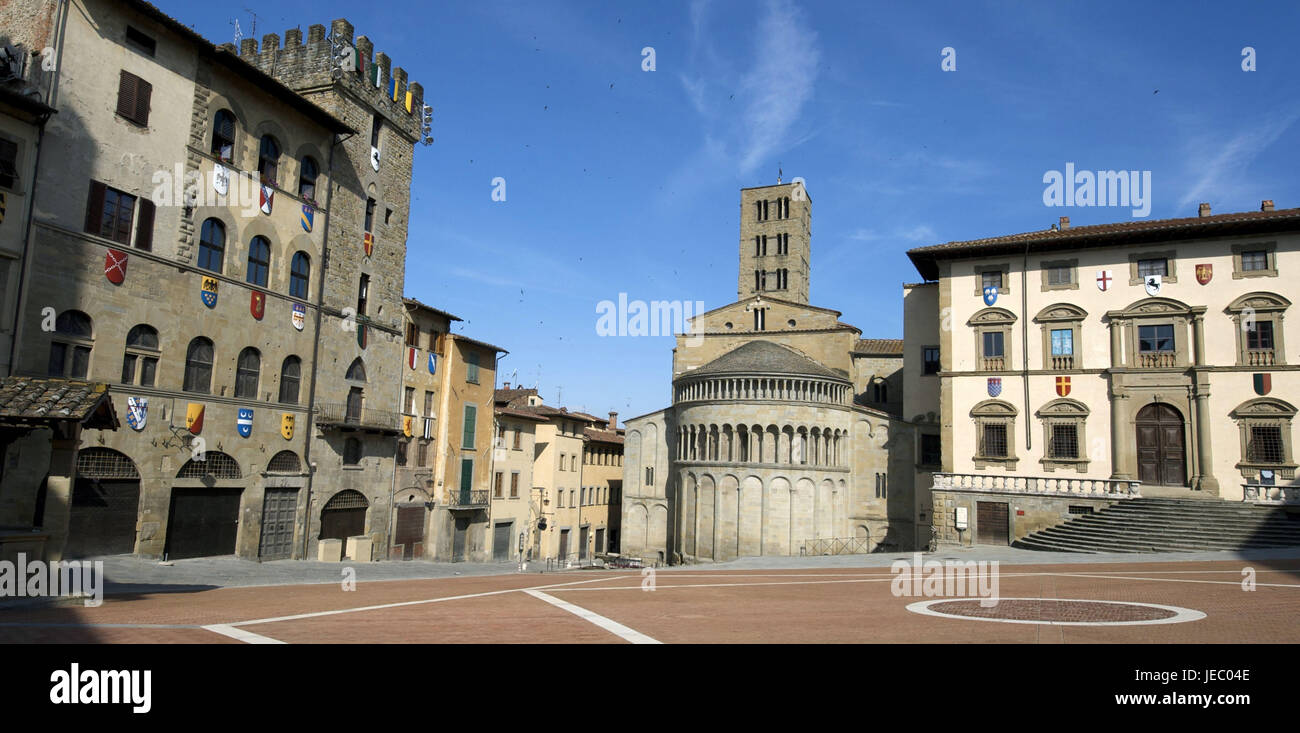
(1063,386)
(115,266)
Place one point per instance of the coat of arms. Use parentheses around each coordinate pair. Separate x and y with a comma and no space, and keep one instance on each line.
(433,363)
(1263,384)
(115,266)
(369,243)
(1204,273)
(308,217)
(268,197)
(208,292)
(1104,278)
(194,417)
(299,316)
(1153,283)
(244,423)
(990,295)
(221,179)
(411,356)
(1062,386)
(137,412)
(286,425)
(257,304)
(995,386)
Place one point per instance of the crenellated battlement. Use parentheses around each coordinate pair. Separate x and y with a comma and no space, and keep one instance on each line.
(367,75)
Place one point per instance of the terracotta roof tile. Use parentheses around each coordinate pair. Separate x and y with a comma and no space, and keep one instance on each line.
(31,401)
(888,347)
(1248,222)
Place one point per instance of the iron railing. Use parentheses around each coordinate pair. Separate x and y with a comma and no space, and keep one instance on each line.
(836,546)
(337,413)
(467,498)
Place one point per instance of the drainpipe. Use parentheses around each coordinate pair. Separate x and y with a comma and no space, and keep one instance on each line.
(315,346)
(1024,345)
(25,270)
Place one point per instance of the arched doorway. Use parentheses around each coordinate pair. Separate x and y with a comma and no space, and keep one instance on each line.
(1161,446)
(344,516)
(105,504)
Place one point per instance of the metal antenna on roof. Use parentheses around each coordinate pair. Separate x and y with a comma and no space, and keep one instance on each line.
(238,33)
(253,32)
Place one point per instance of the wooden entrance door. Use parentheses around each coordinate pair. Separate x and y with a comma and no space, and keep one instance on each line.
(202,522)
(279,509)
(991,523)
(410,531)
(1161,452)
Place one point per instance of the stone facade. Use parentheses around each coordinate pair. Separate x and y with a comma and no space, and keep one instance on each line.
(764,451)
(145,335)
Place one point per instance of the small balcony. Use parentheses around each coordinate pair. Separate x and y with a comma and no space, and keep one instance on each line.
(1260,357)
(466,499)
(338,415)
(1157,359)
(1062,363)
(992,363)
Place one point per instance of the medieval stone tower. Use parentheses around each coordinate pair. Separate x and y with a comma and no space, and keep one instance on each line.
(775,230)
(361,345)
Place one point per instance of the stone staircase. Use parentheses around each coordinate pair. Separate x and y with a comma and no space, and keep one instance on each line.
(1171,525)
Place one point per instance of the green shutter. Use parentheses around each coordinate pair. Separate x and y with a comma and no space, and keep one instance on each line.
(466,477)
(470,414)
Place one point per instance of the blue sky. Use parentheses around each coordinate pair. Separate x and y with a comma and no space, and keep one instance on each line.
(620,180)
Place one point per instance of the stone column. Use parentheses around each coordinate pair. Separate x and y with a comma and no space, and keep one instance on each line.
(58,494)
(1119,438)
(1206,481)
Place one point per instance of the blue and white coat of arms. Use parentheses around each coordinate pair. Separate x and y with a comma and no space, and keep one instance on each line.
(990,295)
(137,411)
(244,423)
(995,386)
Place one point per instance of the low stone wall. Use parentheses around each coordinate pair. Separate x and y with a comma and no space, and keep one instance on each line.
(1026,513)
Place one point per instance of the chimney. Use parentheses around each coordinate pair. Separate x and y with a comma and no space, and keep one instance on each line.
(1205,210)
(1065,223)
(613,420)
(1266,205)
(505,385)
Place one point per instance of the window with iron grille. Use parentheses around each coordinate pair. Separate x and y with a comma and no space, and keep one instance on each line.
(994,444)
(1254,260)
(215,464)
(133,95)
(1265,444)
(105,463)
(1065,442)
(286,461)
(1159,266)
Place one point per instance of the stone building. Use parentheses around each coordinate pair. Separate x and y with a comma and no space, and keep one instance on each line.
(199,243)
(1063,370)
(765,449)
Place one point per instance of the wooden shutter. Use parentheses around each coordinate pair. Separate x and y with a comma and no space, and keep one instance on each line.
(471,414)
(144,231)
(95,207)
(133,95)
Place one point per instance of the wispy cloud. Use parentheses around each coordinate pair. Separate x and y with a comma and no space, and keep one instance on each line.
(917,233)
(771,93)
(1222,166)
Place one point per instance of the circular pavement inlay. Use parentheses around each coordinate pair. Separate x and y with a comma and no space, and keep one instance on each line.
(1057,611)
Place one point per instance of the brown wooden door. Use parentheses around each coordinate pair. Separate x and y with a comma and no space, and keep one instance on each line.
(991,523)
(279,511)
(410,531)
(1161,452)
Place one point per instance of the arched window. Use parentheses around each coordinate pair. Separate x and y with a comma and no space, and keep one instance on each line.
(215,464)
(268,159)
(198,366)
(286,461)
(70,348)
(223,136)
(247,372)
(299,271)
(290,375)
(307,173)
(351,452)
(142,352)
(357,370)
(259,261)
(212,245)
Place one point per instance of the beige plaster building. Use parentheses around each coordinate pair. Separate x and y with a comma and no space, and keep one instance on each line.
(516,503)
(767,448)
(1056,371)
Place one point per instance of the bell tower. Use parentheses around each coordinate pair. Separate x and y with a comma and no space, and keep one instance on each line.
(775,227)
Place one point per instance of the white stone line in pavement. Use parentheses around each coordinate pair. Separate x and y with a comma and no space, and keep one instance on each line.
(627,634)
(1175,580)
(317,614)
(243,635)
